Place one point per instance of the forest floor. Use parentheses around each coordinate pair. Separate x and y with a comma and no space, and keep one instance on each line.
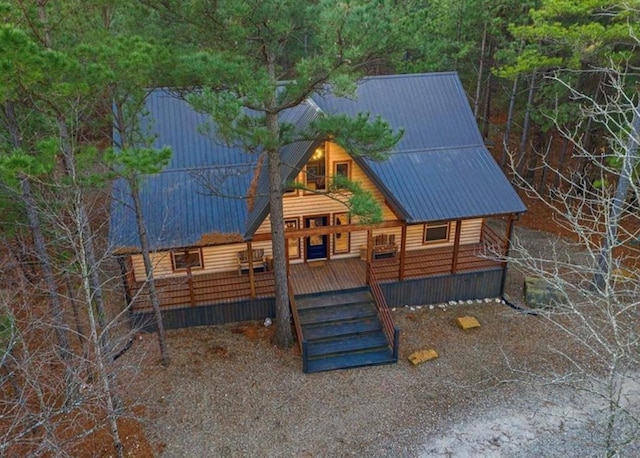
(491,392)
(229,392)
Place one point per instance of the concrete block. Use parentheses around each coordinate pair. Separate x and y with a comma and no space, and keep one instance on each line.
(421,356)
(538,293)
(467,322)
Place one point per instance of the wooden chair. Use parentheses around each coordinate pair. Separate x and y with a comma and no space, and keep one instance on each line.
(384,246)
(258,260)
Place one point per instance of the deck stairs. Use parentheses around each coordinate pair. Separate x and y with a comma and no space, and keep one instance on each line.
(341,329)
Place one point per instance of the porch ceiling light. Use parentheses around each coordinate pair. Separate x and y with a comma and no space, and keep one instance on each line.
(317,154)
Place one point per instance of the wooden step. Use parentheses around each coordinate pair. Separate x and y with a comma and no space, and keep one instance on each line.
(336,313)
(345,328)
(334,298)
(349,360)
(345,344)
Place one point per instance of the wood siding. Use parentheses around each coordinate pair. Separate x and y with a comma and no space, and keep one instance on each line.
(303,204)
(223,258)
(220,258)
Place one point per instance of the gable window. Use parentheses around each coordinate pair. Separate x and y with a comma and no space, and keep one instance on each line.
(187,259)
(316,170)
(438,232)
(342,170)
(290,189)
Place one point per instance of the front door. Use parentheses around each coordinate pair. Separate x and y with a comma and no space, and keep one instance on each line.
(316,245)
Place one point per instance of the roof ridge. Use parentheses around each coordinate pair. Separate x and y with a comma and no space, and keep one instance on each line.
(410,75)
(439,148)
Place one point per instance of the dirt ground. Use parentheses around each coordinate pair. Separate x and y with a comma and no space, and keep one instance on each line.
(229,392)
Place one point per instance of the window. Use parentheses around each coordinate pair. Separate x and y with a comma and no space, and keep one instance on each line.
(438,232)
(341,171)
(290,189)
(292,243)
(341,239)
(187,259)
(316,170)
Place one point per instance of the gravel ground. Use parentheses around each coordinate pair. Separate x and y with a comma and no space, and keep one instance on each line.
(229,392)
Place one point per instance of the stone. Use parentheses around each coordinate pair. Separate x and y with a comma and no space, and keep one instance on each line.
(421,356)
(538,293)
(467,322)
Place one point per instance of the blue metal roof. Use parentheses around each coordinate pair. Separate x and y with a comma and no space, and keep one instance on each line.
(203,190)
(439,170)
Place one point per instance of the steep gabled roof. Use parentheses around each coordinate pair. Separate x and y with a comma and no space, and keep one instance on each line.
(439,170)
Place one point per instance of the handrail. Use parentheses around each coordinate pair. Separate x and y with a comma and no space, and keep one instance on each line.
(391,331)
(492,241)
(302,343)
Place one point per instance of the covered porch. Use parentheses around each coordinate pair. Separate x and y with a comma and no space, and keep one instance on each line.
(312,277)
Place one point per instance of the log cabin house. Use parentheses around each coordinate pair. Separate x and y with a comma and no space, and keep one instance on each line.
(448,212)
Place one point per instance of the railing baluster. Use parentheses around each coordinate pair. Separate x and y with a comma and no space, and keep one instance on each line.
(390,330)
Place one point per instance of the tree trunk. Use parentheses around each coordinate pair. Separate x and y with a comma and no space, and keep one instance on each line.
(284,336)
(148,267)
(545,167)
(486,112)
(522,163)
(55,305)
(507,131)
(476,102)
(561,162)
(85,234)
(624,181)
(101,359)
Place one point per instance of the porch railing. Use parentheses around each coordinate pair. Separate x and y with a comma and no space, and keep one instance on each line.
(302,342)
(203,289)
(391,331)
(493,244)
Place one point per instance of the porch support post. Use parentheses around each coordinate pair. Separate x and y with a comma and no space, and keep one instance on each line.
(126,279)
(403,251)
(192,294)
(507,245)
(456,247)
(369,254)
(252,284)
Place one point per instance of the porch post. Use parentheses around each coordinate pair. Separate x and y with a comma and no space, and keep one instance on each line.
(507,246)
(192,295)
(456,247)
(252,284)
(127,280)
(369,253)
(403,251)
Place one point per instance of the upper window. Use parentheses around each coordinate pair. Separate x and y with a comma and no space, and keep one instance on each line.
(342,170)
(187,259)
(290,189)
(316,170)
(436,233)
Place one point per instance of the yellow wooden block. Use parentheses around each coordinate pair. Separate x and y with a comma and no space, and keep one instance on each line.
(421,356)
(467,322)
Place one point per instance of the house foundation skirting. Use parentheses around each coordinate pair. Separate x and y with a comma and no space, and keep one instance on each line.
(207,315)
(419,291)
(444,288)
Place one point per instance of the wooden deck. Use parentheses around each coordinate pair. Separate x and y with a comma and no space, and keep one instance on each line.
(308,278)
(320,276)
(433,261)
